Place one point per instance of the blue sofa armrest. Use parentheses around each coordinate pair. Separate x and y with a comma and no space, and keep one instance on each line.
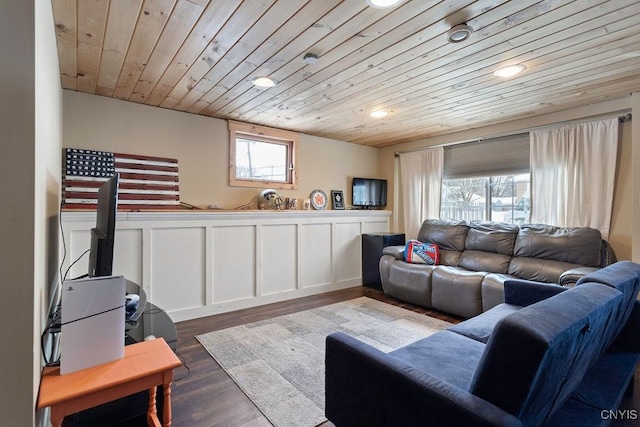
(365,386)
(525,292)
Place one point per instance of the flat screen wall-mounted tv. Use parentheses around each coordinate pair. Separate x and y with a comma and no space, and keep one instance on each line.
(369,193)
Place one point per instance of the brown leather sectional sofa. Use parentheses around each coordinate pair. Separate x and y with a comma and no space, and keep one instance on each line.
(477,257)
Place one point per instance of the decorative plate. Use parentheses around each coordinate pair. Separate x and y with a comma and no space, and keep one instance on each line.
(319,199)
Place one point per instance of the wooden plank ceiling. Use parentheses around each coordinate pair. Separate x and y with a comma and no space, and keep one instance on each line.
(200,56)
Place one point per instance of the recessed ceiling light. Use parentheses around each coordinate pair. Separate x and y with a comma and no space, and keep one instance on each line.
(509,71)
(383,4)
(459,33)
(263,81)
(378,114)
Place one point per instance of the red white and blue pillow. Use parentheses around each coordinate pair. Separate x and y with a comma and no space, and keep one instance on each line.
(417,252)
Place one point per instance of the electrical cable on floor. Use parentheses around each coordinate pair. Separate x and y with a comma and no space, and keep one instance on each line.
(184,363)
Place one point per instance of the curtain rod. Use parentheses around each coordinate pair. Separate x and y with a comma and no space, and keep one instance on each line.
(625,118)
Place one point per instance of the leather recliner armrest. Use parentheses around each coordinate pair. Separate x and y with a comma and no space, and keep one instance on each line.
(395,251)
(570,277)
(607,255)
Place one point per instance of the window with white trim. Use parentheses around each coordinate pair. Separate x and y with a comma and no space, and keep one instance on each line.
(262,157)
(502,198)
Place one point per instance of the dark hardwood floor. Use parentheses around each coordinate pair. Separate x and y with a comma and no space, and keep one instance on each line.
(207,397)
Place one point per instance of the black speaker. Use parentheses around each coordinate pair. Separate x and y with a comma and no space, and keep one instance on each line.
(372,245)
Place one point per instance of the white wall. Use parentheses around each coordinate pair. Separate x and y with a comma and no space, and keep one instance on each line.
(17,118)
(201,145)
(48,164)
(623,215)
(30,126)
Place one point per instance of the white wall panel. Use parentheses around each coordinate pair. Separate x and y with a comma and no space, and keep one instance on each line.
(316,262)
(177,268)
(278,267)
(127,255)
(198,263)
(234,263)
(347,251)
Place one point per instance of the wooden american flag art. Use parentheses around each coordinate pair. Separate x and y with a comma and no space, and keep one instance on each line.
(145,182)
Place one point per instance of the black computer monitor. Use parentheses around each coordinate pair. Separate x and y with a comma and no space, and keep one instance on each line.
(103,235)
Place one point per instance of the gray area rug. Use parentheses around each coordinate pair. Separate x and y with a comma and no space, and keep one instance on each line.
(279,363)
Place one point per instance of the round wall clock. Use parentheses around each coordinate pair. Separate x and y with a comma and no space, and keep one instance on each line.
(319,199)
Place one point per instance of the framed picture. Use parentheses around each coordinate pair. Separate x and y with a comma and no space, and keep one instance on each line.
(338,199)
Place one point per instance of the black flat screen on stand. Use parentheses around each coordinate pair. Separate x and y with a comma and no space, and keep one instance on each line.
(369,193)
(103,235)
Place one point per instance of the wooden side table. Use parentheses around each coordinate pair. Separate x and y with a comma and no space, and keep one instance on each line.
(145,366)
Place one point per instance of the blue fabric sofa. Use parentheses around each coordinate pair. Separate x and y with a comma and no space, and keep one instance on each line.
(547,356)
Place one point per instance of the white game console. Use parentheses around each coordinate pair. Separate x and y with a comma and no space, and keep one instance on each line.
(93,320)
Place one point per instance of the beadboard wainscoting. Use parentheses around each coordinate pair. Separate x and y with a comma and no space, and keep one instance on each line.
(195,264)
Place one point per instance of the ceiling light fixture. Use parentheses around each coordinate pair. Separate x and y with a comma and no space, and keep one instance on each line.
(509,71)
(378,114)
(383,4)
(263,81)
(459,33)
(310,58)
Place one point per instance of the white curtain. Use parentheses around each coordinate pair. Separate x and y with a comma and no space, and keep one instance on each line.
(420,186)
(572,174)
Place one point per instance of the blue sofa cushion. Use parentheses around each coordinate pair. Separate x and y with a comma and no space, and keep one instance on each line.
(623,276)
(366,387)
(517,294)
(537,356)
(449,356)
(479,328)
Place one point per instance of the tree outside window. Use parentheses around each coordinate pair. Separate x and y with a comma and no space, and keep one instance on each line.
(503,198)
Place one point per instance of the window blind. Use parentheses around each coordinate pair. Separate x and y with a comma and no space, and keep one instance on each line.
(506,155)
